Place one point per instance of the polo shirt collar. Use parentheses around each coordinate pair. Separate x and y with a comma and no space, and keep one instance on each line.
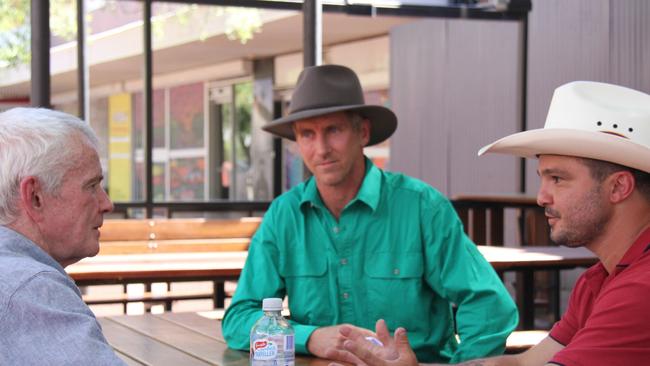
(597,274)
(368,193)
(640,246)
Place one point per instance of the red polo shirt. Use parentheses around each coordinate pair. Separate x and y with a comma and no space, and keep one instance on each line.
(608,318)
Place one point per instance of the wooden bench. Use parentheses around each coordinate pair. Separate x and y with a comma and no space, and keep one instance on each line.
(138,236)
(142,236)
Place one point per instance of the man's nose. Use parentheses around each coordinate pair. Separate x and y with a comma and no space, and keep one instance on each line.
(106,205)
(322,145)
(543,196)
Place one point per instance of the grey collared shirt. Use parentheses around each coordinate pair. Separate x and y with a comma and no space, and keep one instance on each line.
(43,320)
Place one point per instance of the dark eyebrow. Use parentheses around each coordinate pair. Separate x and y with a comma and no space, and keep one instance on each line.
(552,171)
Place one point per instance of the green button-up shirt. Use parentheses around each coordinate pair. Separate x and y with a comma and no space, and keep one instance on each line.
(397,252)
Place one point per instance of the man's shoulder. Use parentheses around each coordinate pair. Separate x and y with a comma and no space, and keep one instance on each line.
(16,272)
(405,184)
(290,199)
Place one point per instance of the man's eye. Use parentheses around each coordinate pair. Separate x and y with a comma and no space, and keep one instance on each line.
(556,179)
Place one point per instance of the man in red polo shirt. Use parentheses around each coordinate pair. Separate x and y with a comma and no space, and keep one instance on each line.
(594,165)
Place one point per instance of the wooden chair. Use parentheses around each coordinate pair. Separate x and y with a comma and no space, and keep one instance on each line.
(483,219)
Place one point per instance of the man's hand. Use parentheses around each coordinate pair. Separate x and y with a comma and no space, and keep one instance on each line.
(359,351)
(324,339)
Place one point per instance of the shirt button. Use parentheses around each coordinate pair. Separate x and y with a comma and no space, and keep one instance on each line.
(344,261)
(336,229)
(346,295)
(396,271)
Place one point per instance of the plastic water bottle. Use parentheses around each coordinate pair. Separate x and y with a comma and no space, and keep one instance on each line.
(272,342)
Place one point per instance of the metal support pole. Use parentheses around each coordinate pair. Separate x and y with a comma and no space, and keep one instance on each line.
(40,63)
(312,43)
(524,93)
(312,30)
(82,75)
(148,108)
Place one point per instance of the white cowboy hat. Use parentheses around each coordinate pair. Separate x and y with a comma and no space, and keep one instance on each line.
(590,120)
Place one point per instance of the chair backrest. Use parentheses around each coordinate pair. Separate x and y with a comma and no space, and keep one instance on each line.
(166,229)
(140,236)
(483,218)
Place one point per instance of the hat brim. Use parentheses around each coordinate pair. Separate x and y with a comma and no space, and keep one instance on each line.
(579,143)
(383,121)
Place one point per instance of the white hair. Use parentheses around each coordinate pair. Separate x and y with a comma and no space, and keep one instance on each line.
(37,142)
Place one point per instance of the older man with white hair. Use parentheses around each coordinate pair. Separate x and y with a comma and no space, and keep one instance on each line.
(51,207)
(594,165)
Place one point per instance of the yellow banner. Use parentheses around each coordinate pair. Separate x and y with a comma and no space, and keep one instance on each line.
(119,147)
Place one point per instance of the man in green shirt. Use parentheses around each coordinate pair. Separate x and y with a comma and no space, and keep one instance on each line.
(353,244)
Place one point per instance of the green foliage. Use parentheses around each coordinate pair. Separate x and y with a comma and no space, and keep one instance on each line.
(15,31)
(242,24)
(244,103)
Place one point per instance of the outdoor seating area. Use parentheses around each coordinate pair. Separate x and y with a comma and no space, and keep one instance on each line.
(166,250)
(199,258)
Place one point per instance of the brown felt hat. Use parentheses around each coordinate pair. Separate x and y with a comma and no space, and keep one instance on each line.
(327,89)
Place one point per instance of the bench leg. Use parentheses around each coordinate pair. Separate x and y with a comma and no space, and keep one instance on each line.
(528,300)
(219,294)
(168,303)
(124,291)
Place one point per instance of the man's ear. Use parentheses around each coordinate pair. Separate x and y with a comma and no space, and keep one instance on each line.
(621,185)
(365,131)
(31,197)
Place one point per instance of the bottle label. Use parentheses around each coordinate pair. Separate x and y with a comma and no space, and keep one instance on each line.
(265,349)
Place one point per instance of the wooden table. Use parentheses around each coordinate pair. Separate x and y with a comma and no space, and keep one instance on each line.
(223,266)
(537,258)
(527,260)
(105,269)
(186,339)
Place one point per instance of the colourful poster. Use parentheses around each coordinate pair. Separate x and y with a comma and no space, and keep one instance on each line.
(119,147)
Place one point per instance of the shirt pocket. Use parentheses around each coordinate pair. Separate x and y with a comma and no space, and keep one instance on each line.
(394,265)
(394,281)
(307,285)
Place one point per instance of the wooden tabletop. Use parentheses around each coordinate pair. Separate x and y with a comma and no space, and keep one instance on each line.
(158,266)
(228,265)
(176,339)
(196,339)
(537,257)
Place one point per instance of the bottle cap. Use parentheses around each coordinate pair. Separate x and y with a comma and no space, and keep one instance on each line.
(272,304)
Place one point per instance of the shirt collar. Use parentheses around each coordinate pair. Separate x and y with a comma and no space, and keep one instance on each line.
(640,246)
(368,193)
(597,274)
(15,242)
